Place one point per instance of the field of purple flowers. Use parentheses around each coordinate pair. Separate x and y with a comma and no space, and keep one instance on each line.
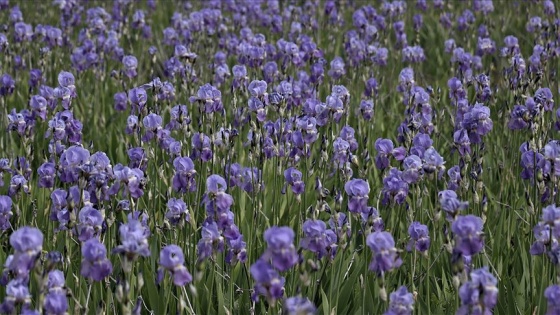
(279,157)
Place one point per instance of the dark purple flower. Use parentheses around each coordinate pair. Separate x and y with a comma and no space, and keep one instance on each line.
(131,179)
(217,200)
(385,150)
(385,256)
(138,99)
(367,109)
(281,250)
(171,259)
(201,147)
(70,161)
(210,98)
(543,96)
(237,247)
(183,180)
(179,118)
(95,264)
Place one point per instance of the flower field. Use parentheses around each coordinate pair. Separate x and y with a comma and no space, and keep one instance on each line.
(280,157)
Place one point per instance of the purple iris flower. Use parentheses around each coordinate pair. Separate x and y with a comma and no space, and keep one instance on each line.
(90,222)
(317,238)
(480,294)
(298,306)
(47,175)
(134,240)
(211,241)
(281,250)
(419,237)
(552,295)
(183,180)
(468,233)
(294,179)
(395,188)
(268,282)
(358,193)
(401,302)
(171,259)
(95,264)
(385,150)
(5,212)
(177,211)
(216,199)
(451,204)
(56,303)
(385,256)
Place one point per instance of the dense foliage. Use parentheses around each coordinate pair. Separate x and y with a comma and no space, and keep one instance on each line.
(267,157)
